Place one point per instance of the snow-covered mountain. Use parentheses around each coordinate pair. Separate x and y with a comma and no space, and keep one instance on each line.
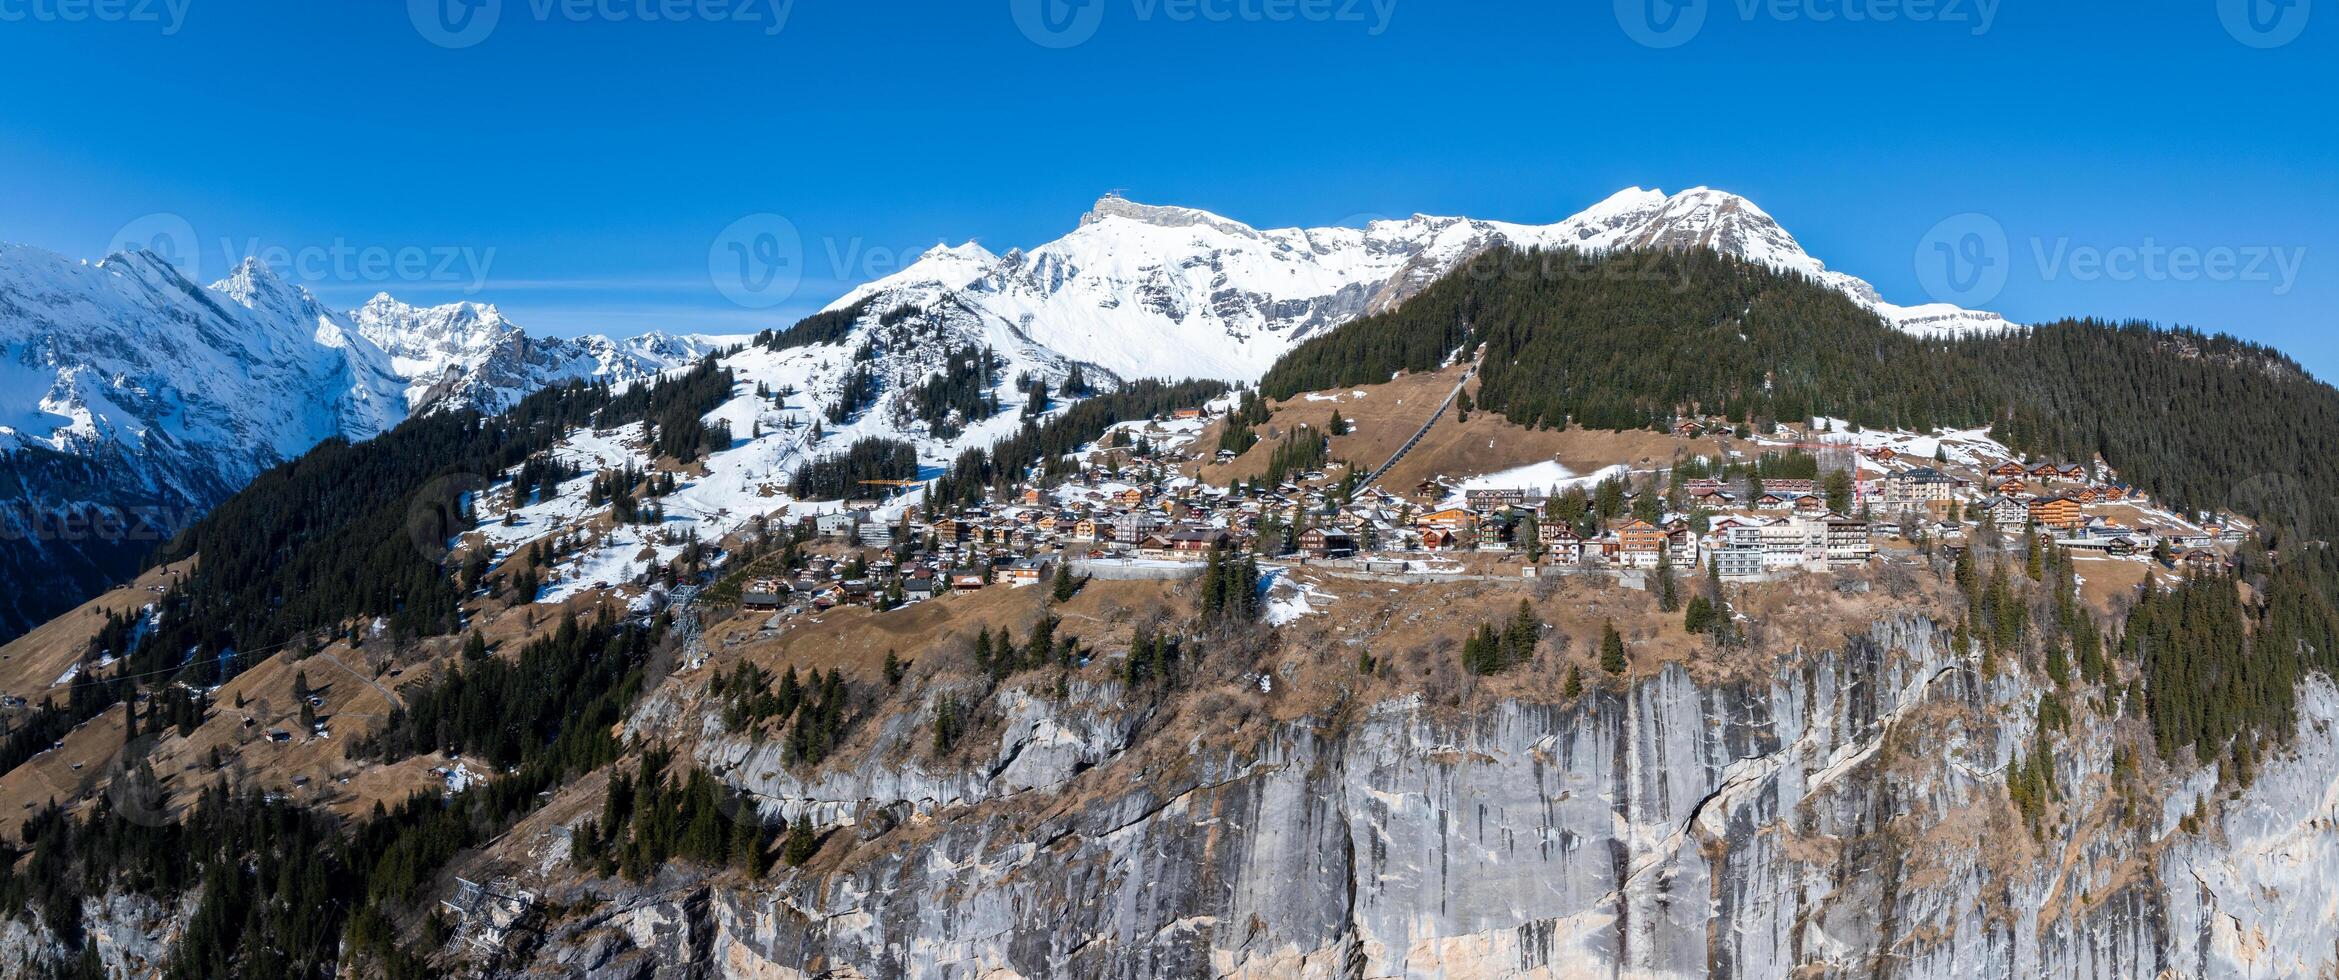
(1146,290)
(132,395)
(468,354)
(207,384)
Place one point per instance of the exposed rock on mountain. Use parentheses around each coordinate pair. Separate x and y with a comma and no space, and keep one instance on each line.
(1843,816)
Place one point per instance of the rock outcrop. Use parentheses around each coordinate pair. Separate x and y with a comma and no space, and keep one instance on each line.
(1843,816)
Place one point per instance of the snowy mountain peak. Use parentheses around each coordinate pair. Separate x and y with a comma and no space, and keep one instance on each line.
(1695,218)
(1628,200)
(468,355)
(1155,290)
(941,270)
(969,253)
(252,279)
(1161,216)
(256,287)
(423,332)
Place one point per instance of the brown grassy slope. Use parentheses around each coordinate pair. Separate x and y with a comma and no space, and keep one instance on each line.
(1385,415)
(30,663)
(360,686)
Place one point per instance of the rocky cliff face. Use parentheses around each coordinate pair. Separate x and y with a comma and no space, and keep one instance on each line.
(1843,816)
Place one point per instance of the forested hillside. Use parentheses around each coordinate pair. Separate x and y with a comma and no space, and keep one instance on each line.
(349,530)
(1629,339)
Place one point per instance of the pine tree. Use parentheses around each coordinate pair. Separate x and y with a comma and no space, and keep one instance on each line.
(1611,649)
(1520,638)
(946,725)
(801,842)
(1699,618)
(1837,485)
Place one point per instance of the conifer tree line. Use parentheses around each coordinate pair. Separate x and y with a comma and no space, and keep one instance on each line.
(1629,339)
(1036,399)
(1301,451)
(819,328)
(838,475)
(2221,674)
(1042,646)
(960,393)
(1153,658)
(86,697)
(1491,649)
(654,815)
(500,709)
(1230,589)
(615,488)
(855,392)
(1238,434)
(284,892)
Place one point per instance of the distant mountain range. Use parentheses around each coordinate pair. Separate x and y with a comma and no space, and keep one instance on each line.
(134,399)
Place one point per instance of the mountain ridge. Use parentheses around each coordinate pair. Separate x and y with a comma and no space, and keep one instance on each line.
(1162,290)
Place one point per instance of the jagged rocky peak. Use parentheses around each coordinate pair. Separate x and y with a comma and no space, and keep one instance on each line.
(256,287)
(406,330)
(1701,217)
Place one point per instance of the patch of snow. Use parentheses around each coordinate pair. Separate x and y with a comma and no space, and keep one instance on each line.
(1547,477)
(1286,598)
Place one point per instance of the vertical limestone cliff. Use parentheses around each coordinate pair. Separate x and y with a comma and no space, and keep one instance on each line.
(1844,816)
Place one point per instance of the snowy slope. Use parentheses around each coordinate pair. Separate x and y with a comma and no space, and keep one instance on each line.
(1149,291)
(778,422)
(469,355)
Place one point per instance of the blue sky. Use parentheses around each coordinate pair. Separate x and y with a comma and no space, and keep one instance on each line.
(588,161)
